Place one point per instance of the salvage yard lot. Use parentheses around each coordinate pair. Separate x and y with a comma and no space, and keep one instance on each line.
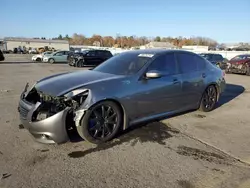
(191,150)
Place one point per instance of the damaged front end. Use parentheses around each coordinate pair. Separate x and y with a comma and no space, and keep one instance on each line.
(48,118)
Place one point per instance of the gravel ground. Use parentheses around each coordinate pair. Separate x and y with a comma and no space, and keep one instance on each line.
(183,151)
(14,58)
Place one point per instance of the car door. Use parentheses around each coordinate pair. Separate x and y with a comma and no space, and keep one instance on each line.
(65,56)
(99,57)
(159,95)
(90,58)
(192,68)
(58,57)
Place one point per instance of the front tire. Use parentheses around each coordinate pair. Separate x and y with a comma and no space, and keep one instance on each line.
(38,59)
(101,123)
(247,70)
(51,61)
(209,99)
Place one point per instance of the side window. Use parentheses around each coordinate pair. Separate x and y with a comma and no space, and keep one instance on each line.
(59,53)
(218,57)
(100,53)
(91,53)
(108,54)
(201,64)
(190,63)
(164,63)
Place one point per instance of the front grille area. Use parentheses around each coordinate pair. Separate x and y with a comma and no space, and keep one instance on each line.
(23,111)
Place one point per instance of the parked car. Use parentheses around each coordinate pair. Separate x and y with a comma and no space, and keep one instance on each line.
(18,51)
(88,58)
(1,56)
(216,59)
(32,51)
(39,57)
(58,56)
(129,88)
(239,64)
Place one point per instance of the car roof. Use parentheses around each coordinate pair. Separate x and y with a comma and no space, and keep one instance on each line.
(156,51)
(210,53)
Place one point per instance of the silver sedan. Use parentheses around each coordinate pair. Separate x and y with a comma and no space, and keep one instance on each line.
(129,88)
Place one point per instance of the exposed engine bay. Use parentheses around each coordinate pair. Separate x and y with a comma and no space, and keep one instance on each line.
(50,105)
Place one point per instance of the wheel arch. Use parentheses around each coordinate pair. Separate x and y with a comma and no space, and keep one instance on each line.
(247,63)
(51,58)
(119,104)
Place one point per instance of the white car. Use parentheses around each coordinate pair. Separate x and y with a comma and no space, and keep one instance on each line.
(39,57)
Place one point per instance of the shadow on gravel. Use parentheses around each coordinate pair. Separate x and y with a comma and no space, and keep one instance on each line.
(156,132)
(185,184)
(232,91)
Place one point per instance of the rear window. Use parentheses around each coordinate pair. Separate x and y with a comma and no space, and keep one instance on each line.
(241,57)
(190,63)
(104,53)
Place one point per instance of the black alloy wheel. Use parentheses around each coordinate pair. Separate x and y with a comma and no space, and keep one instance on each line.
(101,123)
(209,99)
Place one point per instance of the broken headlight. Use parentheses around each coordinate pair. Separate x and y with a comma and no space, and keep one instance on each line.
(77,97)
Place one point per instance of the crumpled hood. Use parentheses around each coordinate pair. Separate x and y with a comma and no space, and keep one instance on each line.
(60,84)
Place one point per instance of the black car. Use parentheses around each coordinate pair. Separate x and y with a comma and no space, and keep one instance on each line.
(88,58)
(216,59)
(1,56)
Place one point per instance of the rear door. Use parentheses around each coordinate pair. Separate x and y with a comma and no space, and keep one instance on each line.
(65,56)
(100,56)
(192,68)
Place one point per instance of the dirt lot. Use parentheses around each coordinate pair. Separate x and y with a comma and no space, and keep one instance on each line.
(192,150)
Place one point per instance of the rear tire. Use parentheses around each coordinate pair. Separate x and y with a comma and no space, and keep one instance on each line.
(108,121)
(38,59)
(209,99)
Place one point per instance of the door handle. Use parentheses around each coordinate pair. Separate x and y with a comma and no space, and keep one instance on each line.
(203,75)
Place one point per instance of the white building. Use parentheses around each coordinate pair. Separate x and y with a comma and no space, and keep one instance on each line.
(164,45)
(196,48)
(14,42)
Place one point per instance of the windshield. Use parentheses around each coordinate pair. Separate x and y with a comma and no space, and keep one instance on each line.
(241,57)
(123,64)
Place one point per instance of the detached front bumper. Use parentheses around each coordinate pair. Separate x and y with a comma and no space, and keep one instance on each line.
(50,130)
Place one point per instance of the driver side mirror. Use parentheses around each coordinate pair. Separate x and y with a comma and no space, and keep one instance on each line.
(153,74)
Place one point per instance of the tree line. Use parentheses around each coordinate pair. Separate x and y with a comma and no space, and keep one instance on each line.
(133,41)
